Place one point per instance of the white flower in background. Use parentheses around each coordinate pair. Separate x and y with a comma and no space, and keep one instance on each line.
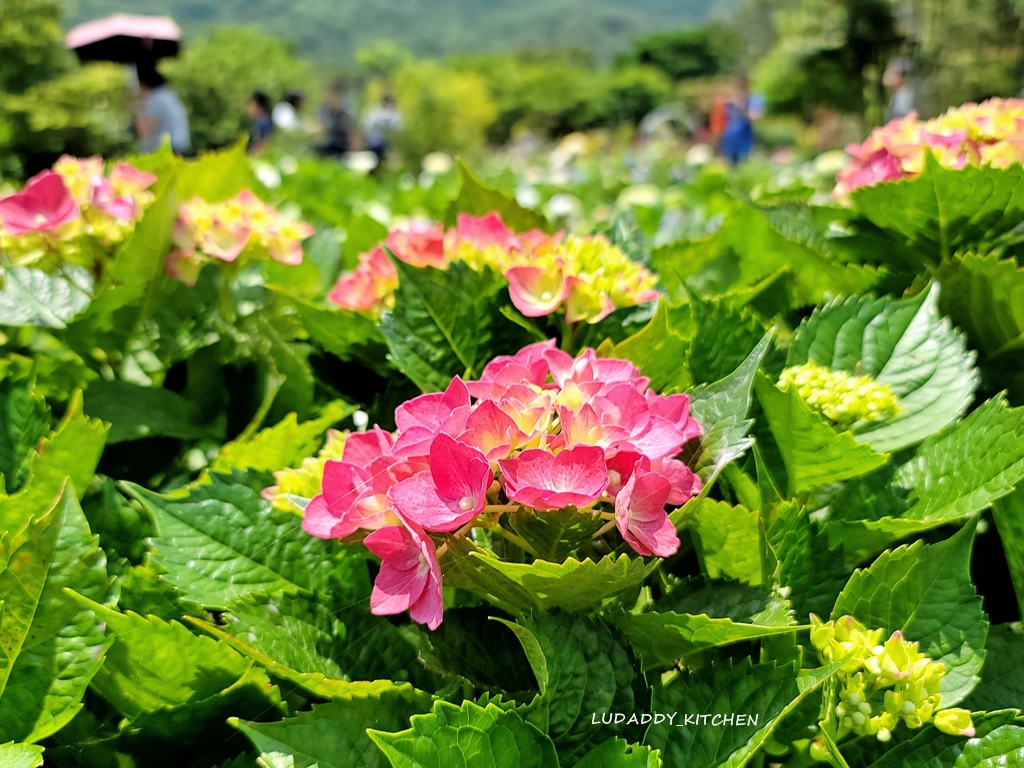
(563,204)
(699,154)
(267,174)
(361,162)
(527,196)
(288,165)
(642,195)
(438,163)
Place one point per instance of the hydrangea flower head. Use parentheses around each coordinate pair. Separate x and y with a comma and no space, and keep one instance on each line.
(61,210)
(990,133)
(540,432)
(839,396)
(586,277)
(883,683)
(207,232)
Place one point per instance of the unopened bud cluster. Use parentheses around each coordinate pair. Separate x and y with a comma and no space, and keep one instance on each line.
(883,682)
(840,396)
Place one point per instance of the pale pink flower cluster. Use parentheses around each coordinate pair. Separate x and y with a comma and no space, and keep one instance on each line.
(588,277)
(207,232)
(540,430)
(990,133)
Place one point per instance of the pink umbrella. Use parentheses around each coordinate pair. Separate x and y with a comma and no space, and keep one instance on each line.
(125,38)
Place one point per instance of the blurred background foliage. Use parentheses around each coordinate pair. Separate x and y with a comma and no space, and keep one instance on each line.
(464,80)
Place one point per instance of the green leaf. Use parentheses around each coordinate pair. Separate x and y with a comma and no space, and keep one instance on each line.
(726,539)
(442,323)
(721,410)
(33,297)
(470,735)
(925,592)
(723,338)
(24,421)
(139,262)
(659,350)
(813,573)
(905,344)
(941,211)
(984,296)
(135,412)
(813,452)
(285,444)
(952,476)
(1002,676)
(71,452)
(1008,513)
(616,753)
(50,647)
(221,540)
(215,176)
(478,200)
(745,250)
(573,585)
(158,668)
(663,637)
(473,648)
(555,535)
(930,747)
(334,735)
(583,670)
(20,756)
(348,335)
(762,694)
(320,646)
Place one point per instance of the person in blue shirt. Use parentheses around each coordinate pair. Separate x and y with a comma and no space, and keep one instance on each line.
(258,110)
(161,115)
(741,110)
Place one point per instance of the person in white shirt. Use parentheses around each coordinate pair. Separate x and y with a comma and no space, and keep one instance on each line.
(382,122)
(286,112)
(896,80)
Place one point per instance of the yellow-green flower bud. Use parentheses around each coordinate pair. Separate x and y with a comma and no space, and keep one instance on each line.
(841,397)
(954,721)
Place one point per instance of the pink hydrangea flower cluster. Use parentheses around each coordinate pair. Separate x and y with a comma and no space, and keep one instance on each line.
(540,430)
(222,232)
(990,133)
(77,199)
(587,276)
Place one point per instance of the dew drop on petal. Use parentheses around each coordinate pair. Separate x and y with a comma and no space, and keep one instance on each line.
(466,503)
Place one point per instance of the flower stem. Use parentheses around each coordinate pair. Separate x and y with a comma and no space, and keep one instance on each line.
(517,540)
(605,528)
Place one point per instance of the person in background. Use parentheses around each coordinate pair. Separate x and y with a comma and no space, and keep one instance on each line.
(896,81)
(161,115)
(285,114)
(336,122)
(258,110)
(740,111)
(382,122)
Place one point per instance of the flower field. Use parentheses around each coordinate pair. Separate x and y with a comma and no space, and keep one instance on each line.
(541,465)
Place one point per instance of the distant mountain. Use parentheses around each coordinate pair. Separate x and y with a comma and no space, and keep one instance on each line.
(332,30)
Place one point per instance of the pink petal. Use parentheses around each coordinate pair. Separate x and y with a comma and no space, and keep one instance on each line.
(486,231)
(461,474)
(535,291)
(403,571)
(44,204)
(577,476)
(640,514)
(361,448)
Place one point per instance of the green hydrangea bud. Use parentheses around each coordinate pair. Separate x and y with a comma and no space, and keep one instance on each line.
(841,397)
(883,683)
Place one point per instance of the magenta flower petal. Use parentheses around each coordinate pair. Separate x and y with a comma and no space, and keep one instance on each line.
(486,231)
(410,576)
(640,514)
(491,431)
(432,409)
(362,448)
(44,204)
(577,476)
(350,499)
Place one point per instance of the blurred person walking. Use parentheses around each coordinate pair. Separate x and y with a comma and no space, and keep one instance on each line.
(336,122)
(896,81)
(740,110)
(382,122)
(258,110)
(161,115)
